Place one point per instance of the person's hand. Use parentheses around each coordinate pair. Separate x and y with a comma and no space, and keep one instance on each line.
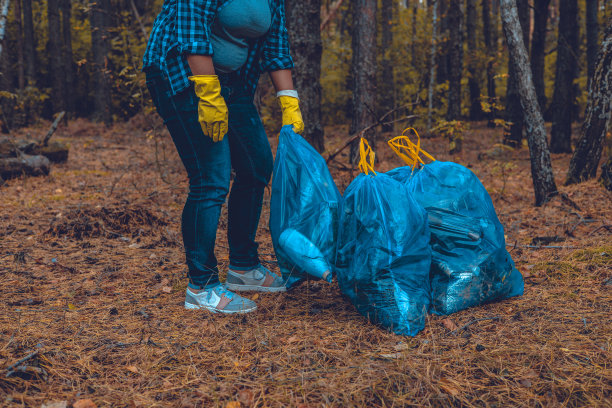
(291,112)
(212,110)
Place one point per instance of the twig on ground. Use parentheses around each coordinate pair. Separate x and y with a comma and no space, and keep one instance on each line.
(471,322)
(24,359)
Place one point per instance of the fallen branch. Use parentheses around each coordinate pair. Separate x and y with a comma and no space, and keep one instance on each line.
(56,122)
(332,12)
(24,359)
(364,130)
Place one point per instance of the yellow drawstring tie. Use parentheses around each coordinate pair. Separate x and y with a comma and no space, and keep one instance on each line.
(366,157)
(409,152)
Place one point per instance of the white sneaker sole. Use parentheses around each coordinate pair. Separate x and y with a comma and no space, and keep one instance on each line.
(191,306)
(254,288)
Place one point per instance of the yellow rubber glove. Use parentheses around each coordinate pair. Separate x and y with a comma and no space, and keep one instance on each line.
(291,112)
(212,110)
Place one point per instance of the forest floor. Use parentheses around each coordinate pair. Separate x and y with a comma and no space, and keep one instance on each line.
(92,277)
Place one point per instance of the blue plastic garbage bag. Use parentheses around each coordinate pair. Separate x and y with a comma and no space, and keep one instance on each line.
(383,255)
(470,263)
(304,210)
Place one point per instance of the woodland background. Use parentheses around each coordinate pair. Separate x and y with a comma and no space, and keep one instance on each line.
(92,270)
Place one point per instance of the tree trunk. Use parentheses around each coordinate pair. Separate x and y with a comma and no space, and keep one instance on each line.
(413,57)
(99,18)
(541,170)
(606,174)
(303,23)
(387,79)
(67,57)
(455,24)
(592,35)
(54,50)
(473,70)
(442,57)
(563,95)
(432,62)
(29,49)
(491,50)
(363,69)
(19,29)
(538,48)
(583,165)
(514,113)
(4,7)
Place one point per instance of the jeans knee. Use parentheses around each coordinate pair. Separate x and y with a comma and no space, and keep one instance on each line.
(207,190)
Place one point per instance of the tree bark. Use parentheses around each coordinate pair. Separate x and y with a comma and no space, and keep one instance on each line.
(538,48)
(592,35)
(541,169)
(432,62)
(514,113)
(472,63)
(303,23)
(491,50)
(54,50)
(100,18)
(455,24)
(67,57)
(363,69)
(583,165)
(387,82)
(566,70)
(19,29)
(442,57)
(29,48)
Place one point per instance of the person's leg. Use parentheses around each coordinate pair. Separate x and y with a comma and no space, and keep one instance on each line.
(208,168)
(252,161)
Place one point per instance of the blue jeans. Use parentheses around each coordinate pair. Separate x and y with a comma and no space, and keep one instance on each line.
(208,165)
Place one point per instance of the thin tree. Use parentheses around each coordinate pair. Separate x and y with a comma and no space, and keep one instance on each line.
(432,62)
(442,56)
(303,21)
(514,115)
(29,48)
(538,45)
(541,169)
(100,21)
(592,35)
(54,50)
(491,51)
(19,43)
(67,56)
(455,52)
(4,8)
(566,70)
(363,70)
(472,62)
(583,165)
(387,84)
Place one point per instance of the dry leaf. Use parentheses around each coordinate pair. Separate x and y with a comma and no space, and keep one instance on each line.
(71,306)
(58,404)
(255,297)
(84,403)
(233,404)
(449,324)
(167,289)
(132,368)
(448,387)
(246,397)
(293,339)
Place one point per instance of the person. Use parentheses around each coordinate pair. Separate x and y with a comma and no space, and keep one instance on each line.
(202,64)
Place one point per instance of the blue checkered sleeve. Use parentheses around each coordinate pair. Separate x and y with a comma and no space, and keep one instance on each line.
(194,18)
(275,54)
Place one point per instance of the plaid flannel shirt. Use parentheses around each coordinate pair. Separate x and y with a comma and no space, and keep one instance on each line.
(183,27)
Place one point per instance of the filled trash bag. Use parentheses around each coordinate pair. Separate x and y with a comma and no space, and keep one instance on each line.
(303,211)
(383,255)
(470,263)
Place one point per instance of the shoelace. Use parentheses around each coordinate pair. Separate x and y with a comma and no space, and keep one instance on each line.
(221,291)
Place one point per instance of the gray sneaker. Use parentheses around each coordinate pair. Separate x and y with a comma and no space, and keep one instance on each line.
(259,279)
(218,299)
